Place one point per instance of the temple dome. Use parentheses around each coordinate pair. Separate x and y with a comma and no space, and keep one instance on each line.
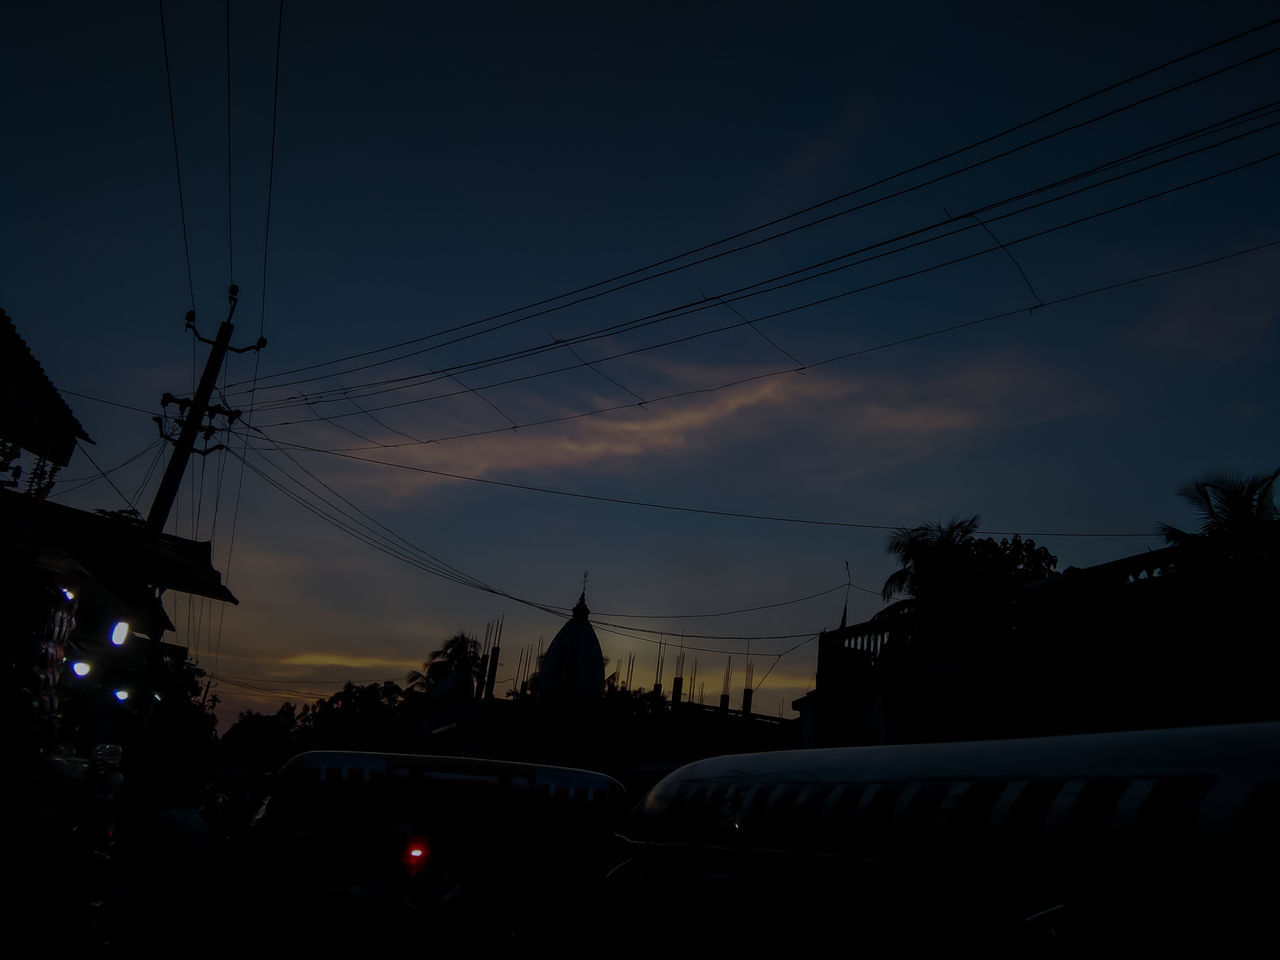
(573,666)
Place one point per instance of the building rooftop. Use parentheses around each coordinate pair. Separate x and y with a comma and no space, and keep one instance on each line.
(32,412)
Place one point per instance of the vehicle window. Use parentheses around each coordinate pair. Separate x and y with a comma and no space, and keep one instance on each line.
(1020,836)
(1169,809)
(1257,834)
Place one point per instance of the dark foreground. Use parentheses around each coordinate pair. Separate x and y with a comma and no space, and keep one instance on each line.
(1148,840)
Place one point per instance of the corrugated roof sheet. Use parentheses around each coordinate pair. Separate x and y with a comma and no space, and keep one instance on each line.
(32,412)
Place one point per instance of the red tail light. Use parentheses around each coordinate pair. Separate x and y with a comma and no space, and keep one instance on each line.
(415,856)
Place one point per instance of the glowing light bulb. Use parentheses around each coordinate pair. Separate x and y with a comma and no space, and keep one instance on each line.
(120,633)
(80,668)
(122,695)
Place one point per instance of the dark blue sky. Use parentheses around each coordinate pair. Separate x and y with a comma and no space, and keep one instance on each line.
(434,168)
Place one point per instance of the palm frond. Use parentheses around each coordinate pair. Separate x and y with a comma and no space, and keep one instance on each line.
(898,582)
(1227,501)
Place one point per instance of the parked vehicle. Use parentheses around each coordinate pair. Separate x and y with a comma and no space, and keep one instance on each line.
(353,845)
(1161,835)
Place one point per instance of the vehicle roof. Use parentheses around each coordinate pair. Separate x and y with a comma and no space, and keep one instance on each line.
(1140,753)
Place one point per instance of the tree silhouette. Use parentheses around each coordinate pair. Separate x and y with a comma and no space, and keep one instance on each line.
(1235,511)
(1012,562)
(460,656)
(943,562)
(951,648)
(932,557)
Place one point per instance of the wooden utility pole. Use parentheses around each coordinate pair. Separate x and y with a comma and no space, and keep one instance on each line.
(195,411)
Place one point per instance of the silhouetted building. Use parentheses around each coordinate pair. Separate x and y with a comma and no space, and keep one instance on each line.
(70,579)
(1179,636)
(846,706)
(572,669)
(33,415)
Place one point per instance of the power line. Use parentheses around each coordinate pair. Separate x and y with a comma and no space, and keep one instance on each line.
(751,325)
(353,432)
(741,381)
(110,403)
(744,292)
(905,339)
(1030,236)
(772,285)
(371,538)
(701,636)
(901,341)
(231,255)
(151,470)
(177,166)
(267,691)
(385,426)
(213,530)
(103,474)
(451,571)
(400,554)
(271,171)
(847,194)
(345,527)
(502,413)
(581,496)
(626,634)
(726,613)
(81,482)
(1014,260)
(652,505)
(781,281)
(465,580)
(626,631)
(796,520)
(194,629)
(292,681)
(262,309)
(596,370)
(778,658)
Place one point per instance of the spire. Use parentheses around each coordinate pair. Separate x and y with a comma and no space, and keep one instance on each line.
(580,612)
(848,582)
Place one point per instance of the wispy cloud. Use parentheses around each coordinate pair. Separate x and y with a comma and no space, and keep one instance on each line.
(878,412)
(338,659)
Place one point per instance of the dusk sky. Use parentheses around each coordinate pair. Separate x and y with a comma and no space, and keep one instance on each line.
(436,168)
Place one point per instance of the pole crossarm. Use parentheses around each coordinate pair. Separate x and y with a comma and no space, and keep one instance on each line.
(196,410)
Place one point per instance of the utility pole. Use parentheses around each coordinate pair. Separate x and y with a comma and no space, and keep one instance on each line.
(195,410)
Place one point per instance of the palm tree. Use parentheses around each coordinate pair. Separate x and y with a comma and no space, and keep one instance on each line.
(460,654)
(950,641)
(1233,509)
(932,558)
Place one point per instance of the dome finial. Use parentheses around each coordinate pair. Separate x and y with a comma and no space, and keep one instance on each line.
(580,611)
